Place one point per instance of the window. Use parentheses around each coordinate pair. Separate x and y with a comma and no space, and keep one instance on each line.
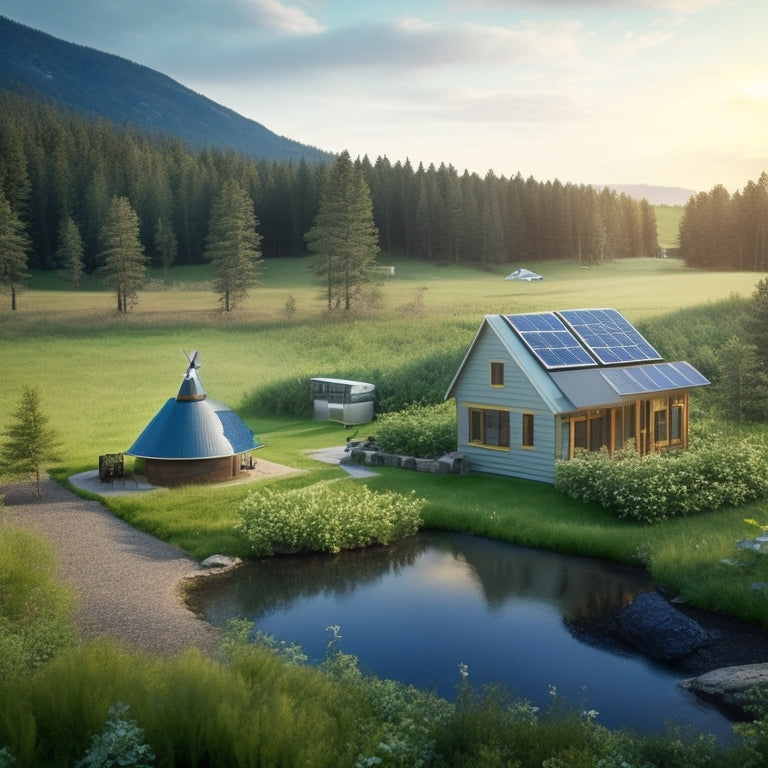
(676,421)
(668,421)
(590,431)
(527,430)
(497,373)
(489,427)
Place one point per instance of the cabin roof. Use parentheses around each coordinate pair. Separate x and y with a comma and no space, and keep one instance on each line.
(606,386)
(590,381)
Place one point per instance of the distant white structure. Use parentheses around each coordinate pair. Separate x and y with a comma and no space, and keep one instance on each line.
(348,402)
(525,275)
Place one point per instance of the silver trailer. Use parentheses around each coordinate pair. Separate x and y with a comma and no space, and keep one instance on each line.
(348,402)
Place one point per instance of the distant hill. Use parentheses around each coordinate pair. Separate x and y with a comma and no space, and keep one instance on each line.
(654,195)
(88,81)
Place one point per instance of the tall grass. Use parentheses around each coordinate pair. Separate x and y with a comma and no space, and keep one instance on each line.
(258,709)
(194,711)
(35,610)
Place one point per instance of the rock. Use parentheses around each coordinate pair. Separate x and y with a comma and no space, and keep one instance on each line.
(657,629)
(725,686)
(220,561)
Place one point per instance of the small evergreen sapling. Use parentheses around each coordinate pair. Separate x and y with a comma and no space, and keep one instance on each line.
(28,441)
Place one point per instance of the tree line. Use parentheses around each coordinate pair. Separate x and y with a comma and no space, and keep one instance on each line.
(59,170)
(729,232)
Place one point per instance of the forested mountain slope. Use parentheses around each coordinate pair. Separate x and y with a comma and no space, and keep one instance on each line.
(99,84)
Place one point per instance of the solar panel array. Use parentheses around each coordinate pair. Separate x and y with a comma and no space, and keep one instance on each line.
(609,336)
(654,378)
(582,338)
(550,341)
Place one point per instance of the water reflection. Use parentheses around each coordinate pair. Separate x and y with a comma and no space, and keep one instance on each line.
(582,589)
(415,610)
(264,587)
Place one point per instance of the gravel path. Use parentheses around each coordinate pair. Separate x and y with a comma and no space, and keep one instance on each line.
(127,583)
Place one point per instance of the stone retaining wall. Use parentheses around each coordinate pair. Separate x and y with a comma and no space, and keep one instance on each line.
(451,463)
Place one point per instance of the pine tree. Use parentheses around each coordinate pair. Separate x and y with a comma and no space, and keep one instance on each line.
(29,441)
(233,245)
(69,256)
(166,244)
(124,264)
(14,245)
(343,237)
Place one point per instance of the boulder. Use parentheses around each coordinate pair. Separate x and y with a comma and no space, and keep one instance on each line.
(726,685)
(215,562)
(654,627)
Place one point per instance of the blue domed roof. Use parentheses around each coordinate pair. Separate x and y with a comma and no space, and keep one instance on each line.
(194,426)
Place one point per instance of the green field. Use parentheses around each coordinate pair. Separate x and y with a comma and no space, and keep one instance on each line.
(668,224)
(102,376)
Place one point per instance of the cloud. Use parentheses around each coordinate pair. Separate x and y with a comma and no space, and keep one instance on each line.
(395,47)
(632,43)
(677,6)
(205,25)
(281,17)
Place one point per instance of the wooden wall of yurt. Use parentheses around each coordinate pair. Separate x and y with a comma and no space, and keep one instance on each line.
(169,473)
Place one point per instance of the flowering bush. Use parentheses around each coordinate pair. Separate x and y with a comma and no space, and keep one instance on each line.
(326,517)
(424,431)
(670,484)
(121,743)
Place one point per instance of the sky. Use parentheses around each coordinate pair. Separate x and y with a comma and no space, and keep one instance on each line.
(659,92)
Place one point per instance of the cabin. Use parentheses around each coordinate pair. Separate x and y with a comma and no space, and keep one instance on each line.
(194,439)
(537,387)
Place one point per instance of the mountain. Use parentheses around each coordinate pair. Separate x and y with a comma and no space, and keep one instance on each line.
(654,195)
(88,81)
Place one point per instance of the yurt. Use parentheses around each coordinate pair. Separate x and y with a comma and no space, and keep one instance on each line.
(194,439)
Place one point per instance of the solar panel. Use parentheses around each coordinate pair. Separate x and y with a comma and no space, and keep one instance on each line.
(550,341)
(653,378)
(609,336)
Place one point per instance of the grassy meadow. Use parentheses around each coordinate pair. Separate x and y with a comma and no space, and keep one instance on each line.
(102,376)
(668,224)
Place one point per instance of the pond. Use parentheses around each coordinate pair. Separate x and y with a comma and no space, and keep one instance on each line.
(418,609)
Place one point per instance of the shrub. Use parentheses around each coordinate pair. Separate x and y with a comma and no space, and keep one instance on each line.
(405,721)
(427,432)
(287,397)
(669,484)
(326,517)
(121,743)
(422,382)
